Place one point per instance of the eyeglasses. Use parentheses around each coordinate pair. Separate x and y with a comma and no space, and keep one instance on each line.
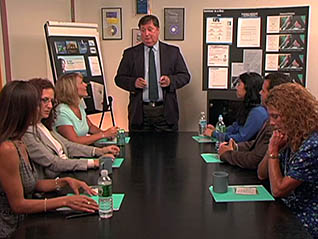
(47,100)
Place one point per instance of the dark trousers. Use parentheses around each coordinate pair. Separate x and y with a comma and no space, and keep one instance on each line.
(154,121)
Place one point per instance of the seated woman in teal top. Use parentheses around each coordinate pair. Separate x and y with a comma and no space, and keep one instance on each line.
(71,121)
(66,116)
(251,115)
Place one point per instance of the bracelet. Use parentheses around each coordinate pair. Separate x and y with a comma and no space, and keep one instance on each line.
(273,156)
(45,199)
(57,185)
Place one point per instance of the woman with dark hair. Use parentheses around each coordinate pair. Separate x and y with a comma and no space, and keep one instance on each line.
(52,153)
(19,105)
(251,115)
(291,161)
(72,122)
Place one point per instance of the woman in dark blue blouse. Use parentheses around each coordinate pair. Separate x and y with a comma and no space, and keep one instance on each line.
(251,115)
(291,162)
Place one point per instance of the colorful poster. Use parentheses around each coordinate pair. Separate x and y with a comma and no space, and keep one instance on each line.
(70,64)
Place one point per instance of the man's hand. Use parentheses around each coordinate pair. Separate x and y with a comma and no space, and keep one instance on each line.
(140,83)
(225,147)
(164,81)
(233,144)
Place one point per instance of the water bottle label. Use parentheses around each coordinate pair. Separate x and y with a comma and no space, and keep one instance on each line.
(121,137)
(223,129)
(203,123)
(106,207)
(105,190)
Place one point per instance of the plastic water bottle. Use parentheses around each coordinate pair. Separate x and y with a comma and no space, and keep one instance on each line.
(105,195)
(220,127)
(121,142)
(121,137)
(202,123)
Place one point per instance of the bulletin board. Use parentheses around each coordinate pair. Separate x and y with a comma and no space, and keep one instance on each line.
(74,47)
(262,40)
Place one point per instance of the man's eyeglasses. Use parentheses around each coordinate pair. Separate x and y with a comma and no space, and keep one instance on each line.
(47,100)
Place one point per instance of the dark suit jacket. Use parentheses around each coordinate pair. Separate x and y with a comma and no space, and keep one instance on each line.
(250,153)
(132,66)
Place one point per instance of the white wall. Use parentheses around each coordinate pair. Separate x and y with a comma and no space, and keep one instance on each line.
(28,49)
(26,21)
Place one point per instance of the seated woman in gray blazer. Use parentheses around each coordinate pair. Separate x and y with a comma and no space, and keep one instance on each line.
(52,153)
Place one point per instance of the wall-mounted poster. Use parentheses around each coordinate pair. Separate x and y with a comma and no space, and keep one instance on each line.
(286,24)
(284,62)
(218,77)
(69,64)
(219,30)
(218,55)
(249,32)
(288,42)
(174,24)
(111,21)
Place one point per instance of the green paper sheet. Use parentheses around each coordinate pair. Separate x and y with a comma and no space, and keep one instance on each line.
(106,141)
(117,199)
(211,158)
(117,162)
(231,196)
(204,139)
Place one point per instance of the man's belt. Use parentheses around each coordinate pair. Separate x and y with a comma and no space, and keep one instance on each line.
(153,104)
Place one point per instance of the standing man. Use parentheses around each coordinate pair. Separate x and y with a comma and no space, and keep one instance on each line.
(248,154)
(152,72)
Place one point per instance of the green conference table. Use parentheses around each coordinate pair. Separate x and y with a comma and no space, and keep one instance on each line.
(166,185)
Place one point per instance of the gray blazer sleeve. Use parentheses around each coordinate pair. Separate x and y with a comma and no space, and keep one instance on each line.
(41,153)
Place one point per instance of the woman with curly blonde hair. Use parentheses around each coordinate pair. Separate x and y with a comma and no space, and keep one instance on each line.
(291,162)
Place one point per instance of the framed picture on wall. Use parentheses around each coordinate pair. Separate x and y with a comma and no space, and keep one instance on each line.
(174,24)
(136,36)
(111,24)
(142,6)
